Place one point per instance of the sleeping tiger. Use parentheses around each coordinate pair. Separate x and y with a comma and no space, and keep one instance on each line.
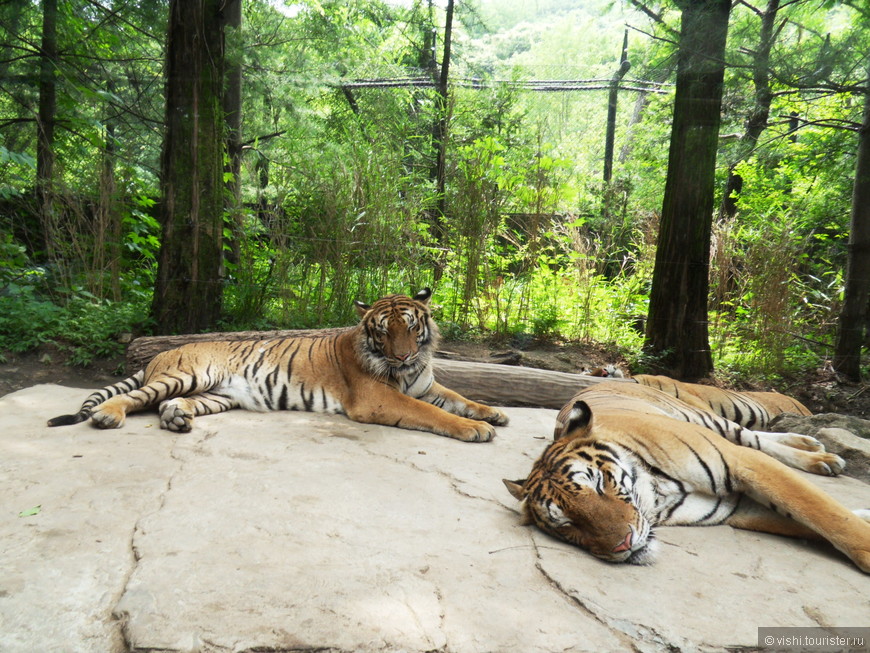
(628,457)
(378,372)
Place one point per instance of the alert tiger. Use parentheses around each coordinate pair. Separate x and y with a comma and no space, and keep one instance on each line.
(628,457)
(378,372)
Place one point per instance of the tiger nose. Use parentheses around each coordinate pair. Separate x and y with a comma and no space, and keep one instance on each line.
(625,545)
(403,357)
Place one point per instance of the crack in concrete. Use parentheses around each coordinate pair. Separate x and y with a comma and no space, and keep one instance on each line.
(628,640)
(121,617)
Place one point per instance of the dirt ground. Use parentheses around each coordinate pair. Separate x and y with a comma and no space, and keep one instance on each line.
(821,391)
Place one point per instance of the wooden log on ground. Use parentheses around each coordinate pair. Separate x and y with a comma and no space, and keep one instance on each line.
(142,350)
(502,385)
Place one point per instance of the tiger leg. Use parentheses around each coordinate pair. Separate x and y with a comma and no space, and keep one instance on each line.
(177,414)
(775,486)
(112,413)
(455,403)
(794,451)
(752,516)
(794,440)
(377,403)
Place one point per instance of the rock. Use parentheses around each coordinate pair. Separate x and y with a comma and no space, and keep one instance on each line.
(844,435)
(298,531)
(507,357)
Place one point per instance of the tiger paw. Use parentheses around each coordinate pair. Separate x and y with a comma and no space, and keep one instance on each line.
(105,418)
(473,431)
(176,416)
(496,417)
(486,413)
(827,464)
(803,442)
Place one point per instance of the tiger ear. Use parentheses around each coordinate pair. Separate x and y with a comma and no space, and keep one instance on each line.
(361,308)
(516,488)
(579,419)
(423,296)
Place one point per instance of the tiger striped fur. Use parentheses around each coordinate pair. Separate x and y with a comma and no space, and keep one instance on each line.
(630,457)
(379,372)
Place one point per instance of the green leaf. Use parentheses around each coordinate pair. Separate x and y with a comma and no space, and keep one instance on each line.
(31,512)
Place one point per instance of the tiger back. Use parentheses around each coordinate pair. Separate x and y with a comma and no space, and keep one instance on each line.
(379,371)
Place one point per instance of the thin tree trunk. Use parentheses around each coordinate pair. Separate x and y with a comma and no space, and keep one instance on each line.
(107,248)
(610,132)
(756,121)
(188,291)
(854,316)
(45,126)
(232,106)
(677,333)
(439,138)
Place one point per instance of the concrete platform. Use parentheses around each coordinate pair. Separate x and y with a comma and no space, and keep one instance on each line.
(300,532)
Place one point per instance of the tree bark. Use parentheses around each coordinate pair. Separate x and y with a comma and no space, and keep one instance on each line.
(612,96)
(232,107)
(854,316)
(487,382)
(188,290)
(45,125)
(756,121)
(107,248)
(677,333)
(439,139)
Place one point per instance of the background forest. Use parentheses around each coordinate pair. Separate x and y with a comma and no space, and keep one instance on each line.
(358,164)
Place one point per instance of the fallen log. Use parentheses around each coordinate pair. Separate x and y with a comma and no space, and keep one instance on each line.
(490,383)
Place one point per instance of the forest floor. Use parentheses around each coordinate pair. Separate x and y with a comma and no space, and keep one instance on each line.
(820,390)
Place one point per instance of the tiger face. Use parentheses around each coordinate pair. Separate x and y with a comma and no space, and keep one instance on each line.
(587,494)
(400,336)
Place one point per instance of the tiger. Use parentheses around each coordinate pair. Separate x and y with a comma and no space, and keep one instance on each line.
(628,457)
(377,372)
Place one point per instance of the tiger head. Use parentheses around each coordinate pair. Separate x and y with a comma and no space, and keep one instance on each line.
(398,336)
(583,491)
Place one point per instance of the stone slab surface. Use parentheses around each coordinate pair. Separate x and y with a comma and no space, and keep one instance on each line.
(299,532)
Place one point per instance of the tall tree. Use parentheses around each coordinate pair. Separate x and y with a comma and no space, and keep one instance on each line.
(756,120)
(439,139)
(854,315)
(188,291)
(45,124)
(677,330)
(232,107)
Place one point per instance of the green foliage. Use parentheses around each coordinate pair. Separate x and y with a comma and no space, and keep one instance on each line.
(86,327)
(338,185)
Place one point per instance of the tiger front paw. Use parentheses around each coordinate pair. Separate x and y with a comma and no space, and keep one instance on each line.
(496,417)
(473,431)
(176,416)
(486,413)
(803,442)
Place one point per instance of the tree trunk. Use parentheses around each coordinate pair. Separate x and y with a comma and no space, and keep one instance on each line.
(854,316)
(756,121)
(439,139)
(45,126)
(487,382)
(188,291)
(612,96)
(677,332)
(232,106)
(107,248)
